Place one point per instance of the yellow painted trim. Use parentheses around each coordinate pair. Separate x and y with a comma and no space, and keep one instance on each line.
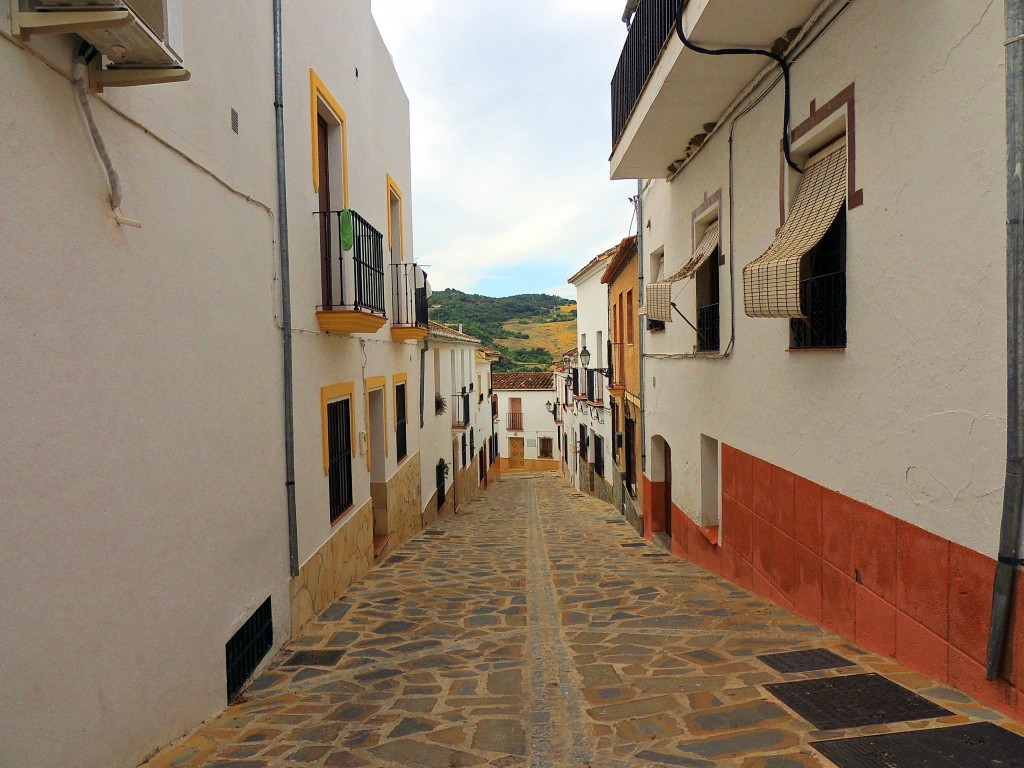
(394,188)
(370,385)
(349,321)
(408,333)
(329,394)
(401,378)
(319,94)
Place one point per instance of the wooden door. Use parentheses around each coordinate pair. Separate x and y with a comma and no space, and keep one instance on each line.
(516,453)
(325,205)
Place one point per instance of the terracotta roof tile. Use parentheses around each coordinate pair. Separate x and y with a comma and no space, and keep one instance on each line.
(536,380)
(446,332)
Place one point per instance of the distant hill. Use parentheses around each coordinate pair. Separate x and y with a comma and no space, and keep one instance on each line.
(530,330)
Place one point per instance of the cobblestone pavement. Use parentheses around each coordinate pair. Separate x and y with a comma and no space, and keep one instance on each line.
(535,629)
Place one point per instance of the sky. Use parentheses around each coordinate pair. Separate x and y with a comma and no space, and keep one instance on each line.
(510,138)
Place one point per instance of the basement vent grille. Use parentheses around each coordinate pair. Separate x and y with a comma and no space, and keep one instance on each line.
(234,120)
(246,649)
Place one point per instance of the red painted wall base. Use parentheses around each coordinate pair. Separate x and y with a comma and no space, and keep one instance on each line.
(889,586)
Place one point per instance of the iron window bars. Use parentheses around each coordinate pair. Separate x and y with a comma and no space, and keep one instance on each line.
(401,437)
(339,452)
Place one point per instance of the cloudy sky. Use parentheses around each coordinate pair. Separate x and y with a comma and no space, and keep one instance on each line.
(510,137)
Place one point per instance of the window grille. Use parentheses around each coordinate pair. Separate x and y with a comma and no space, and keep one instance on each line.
(339,450)
(401,437)
(247,647)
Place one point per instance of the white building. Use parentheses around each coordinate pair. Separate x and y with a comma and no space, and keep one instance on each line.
(528,435)
(825,394)
(144,472)
(588,422)
(457,420)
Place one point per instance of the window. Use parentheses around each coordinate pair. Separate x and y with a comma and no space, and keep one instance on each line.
(463,450)
(583,442)
(657,273)
(339,468)
(629,438)
(439,472)
(599,455)
(823,292)
(629,317)
(546,450)
(400,421)
(802,275)
(395,241)
(708,304)
(710,494)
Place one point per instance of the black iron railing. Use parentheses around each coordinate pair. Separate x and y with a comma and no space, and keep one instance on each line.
(515,421)
(351,279)
(408,295)
(651,27)
(339,450)
(401,436)
(823,301)
(708,326)
(599,455)
(460,409)
(595,386)
(618,365)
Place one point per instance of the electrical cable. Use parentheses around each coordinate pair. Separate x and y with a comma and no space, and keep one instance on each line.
(776,57)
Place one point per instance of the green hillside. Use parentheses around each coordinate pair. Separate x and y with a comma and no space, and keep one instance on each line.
(529,330)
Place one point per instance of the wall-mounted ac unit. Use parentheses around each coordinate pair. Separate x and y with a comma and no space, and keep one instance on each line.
(139,39)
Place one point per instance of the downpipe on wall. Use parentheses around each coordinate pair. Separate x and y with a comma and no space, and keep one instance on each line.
(1013,493)
(286,298)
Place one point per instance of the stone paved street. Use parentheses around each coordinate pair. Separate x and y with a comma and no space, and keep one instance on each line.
(536,629)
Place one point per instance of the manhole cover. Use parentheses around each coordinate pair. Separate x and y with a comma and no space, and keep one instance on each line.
(314,659)
(853,701)
(633,544)
(977,745)
(805,661)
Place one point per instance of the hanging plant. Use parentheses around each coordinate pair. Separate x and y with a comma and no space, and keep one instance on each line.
(442,466)
(440,405)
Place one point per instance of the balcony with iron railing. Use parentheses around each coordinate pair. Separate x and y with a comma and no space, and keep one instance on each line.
(666,97)
(514,421)
(617,379)
(595,386)
(460,410)
(352,274)
(409,294)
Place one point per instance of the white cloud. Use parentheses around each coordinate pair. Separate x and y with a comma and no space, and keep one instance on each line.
(510,135)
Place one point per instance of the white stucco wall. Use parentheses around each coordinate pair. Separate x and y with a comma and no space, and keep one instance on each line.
(910,417)
(142,470)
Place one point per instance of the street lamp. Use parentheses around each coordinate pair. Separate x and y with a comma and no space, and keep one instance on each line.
(585,357)
(567,360)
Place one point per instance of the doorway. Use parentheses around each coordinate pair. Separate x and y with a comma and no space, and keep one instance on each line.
(378,468)
(667,491)
(516,453)
(455,475)
(659,523)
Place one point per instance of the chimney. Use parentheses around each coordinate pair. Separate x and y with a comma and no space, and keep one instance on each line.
(460,327)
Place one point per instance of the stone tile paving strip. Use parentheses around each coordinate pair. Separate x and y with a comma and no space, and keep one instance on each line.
(445,657)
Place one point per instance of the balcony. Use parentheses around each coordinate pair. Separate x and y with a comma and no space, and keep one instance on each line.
(618,365)
(460,410)
(663,94)
(514,421)
(595,386)
(352,280)
(409,292)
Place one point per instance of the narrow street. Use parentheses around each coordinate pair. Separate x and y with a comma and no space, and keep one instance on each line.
(537,629)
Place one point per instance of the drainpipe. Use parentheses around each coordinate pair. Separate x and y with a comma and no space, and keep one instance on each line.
(286,299)
(640,288)
(1013,494)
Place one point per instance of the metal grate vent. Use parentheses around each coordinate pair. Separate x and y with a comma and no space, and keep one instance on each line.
(247,647)
(234,120)
(854,701)
(805,661)
(977,745)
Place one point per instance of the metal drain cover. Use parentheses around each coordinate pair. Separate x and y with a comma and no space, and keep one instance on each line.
(853,701)
(633,544)
(978,745)
(316,658)
(805,661)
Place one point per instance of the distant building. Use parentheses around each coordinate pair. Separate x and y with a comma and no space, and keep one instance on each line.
(526,429)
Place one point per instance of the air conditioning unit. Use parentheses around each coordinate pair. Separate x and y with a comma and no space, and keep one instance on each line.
(140,39)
